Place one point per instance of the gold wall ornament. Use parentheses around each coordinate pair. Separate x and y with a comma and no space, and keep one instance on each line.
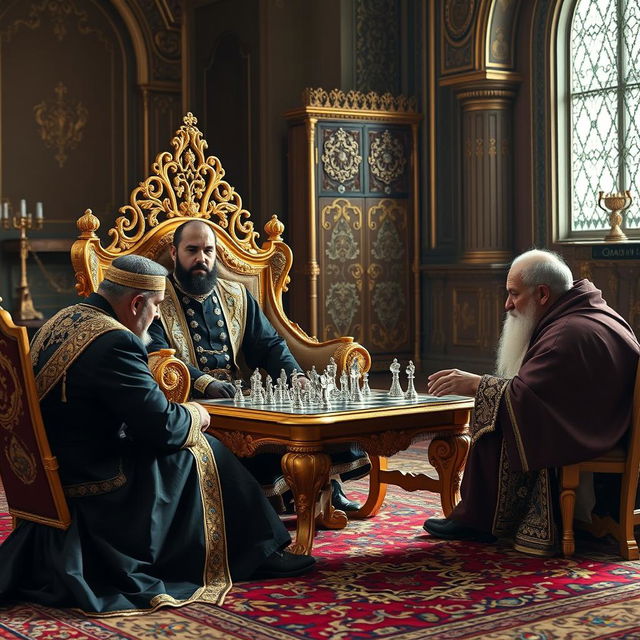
(60,123)
(341,157)
(387,159)
(614,205)
(185,183)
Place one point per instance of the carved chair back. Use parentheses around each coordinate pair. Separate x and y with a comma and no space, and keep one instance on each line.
(28,469)
(187,184)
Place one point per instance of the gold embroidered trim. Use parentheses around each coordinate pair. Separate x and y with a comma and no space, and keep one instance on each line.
(217,578)
(96,488)
(175,325)
(486,407)
(201,383)
(233,302)
(196,424)
(140,281)
(73,329)
(516,431)
(524,508)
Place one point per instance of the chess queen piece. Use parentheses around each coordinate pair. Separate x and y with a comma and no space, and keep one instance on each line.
(238,398)
(615,204)
(411,393)
(395,391)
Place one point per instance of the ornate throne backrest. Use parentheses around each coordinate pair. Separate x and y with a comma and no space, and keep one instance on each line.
(187,184)
(28,469)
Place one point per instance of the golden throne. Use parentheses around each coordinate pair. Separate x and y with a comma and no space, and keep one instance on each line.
(187,184)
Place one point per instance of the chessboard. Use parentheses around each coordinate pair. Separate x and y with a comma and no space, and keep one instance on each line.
(377,399)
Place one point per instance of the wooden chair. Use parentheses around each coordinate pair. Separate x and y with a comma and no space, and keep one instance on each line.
(187,184)
(28,469)
(623,460)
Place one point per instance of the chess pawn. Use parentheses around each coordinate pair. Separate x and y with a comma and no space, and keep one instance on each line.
(395,391)
(411,393)
(366,390)
(238,398)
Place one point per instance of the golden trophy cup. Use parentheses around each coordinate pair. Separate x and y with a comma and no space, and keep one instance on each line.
(614,205)
(22,221)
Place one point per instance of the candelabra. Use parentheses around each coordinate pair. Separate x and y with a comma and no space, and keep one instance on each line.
(23,221)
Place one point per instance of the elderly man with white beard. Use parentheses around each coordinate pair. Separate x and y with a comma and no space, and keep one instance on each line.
(561,394)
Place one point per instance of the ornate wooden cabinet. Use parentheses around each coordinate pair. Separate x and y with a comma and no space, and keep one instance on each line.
(353,219)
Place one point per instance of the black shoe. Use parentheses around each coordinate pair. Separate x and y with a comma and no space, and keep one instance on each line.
(283,564)
(452,530)
(339,500)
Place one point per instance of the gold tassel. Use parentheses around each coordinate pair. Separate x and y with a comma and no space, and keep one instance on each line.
(63,396)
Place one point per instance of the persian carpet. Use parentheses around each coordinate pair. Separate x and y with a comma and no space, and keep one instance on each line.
(385,578)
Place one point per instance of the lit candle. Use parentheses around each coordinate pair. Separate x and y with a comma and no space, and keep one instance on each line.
(39,213)
(5,210)
(23,208)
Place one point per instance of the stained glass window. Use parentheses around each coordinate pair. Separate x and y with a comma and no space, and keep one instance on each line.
(604,99)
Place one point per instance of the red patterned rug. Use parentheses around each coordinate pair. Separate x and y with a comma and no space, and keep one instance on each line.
(385,578)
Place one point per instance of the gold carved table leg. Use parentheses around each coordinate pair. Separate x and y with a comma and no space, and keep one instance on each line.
(448,455)
(306,473)
(377,489)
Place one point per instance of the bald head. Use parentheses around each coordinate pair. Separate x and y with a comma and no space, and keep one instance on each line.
(539,267)
(194,256)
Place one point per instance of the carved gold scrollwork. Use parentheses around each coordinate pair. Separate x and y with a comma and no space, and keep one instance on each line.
(10,393)
(185,183)
(386,443)
(60,123)
(387,159)
(337,99)
(240,443)
(341,158)
(278,263)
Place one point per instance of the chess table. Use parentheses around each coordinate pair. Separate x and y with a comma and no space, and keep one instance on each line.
(380,425)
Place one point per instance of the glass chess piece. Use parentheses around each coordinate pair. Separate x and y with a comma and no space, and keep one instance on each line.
(355,394)
(366,389)
(395,391)
(238,398)
(270,397)
(411,393)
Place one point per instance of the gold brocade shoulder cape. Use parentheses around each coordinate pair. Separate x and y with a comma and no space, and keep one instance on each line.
(69,332)
(232,297)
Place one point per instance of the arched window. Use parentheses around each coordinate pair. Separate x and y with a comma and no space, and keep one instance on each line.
(599,129)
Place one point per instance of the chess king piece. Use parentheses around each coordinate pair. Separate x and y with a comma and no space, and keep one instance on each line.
(354,374)
(395,391)
(411,393)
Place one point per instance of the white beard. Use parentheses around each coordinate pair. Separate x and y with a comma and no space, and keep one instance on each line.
(146,338)
(514,341)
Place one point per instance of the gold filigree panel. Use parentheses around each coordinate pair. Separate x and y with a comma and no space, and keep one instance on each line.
(341,159)
(184,183)
(337,99)
(388,161)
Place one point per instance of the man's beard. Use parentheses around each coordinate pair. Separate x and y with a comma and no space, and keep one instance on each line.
(196,284)
(514,341)
(146,338)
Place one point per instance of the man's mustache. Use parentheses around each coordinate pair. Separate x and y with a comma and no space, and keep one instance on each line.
(199,267)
